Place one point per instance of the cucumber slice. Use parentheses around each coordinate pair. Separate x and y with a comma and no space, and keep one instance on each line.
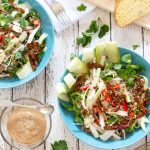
(61,90)
(77,67)
(100,51)
(24,71)
(88,55)
(112,52)
(69,80)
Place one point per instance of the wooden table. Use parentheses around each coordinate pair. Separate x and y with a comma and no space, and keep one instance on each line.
(43,86)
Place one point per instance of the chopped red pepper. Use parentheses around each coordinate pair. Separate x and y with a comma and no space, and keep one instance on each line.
(36,22)
(108,98)
(116,86)
(84,88)
(1,38)
(113,103)
(96,109)
(104,92)
(131,115)
(124,106)
(13,37)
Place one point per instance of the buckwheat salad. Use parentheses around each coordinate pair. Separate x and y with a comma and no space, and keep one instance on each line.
(106,92)
(22,44)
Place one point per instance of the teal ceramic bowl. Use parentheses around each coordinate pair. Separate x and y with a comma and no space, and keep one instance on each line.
(88,139)
(47,27)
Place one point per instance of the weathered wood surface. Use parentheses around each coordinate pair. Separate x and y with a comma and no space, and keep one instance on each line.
(43,86)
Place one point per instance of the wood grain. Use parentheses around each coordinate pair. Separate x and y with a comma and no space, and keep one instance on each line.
(65,44)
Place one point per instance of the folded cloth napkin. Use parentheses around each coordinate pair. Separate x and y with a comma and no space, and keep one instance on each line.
(71,11)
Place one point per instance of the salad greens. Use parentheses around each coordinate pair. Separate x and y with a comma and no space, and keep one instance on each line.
(22,45)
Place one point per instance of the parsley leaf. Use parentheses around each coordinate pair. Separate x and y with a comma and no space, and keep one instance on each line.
(103,30)
(59,145)
(135,46)
(117,66)
(84,40)
(23,23)
(130,82)
(18,55)
(93,28)
(82,7)
(127,58)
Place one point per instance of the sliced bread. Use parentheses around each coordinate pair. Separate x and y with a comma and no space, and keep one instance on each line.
(126,11)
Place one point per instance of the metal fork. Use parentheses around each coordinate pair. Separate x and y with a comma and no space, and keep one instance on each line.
(60,12)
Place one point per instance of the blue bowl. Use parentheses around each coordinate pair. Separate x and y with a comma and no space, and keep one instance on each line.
(47,27)
(88,139)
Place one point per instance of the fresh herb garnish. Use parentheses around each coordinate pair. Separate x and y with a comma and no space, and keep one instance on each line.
(82,7)
(96,26)
(127,58)
(103,30)
(74,98)
(23,23)
(135,46)
(59,145)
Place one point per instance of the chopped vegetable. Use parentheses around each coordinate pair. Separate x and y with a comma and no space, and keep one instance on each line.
(82,7)
(59,145)
(107,96)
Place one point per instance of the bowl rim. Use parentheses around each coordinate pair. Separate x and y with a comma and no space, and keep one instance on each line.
(48,133)
(81,139)
(27,79)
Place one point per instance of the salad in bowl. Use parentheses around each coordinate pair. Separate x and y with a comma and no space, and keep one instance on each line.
(106,92)
(22,44)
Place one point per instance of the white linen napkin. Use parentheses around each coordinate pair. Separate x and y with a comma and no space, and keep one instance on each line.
(71,11)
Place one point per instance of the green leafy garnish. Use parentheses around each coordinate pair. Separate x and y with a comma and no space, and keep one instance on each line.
(18,55)
(130,82)
(84,40)
(127,58)
(82,7)
(74,99)
(135,46)
(112,120)
(5,20)
(23,23)
(103,30)
(117,66)
(93,28)
(59,145)
(96,26)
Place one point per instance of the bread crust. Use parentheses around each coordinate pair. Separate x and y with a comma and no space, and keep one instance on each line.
(117,3)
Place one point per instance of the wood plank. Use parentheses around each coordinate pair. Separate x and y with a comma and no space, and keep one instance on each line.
(146,38)
(126,37)
(5,94)
(83,25)
(63,47)
(34,89)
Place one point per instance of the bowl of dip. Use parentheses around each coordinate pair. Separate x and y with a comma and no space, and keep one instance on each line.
(24,128)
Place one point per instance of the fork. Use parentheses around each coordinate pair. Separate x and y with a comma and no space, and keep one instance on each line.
(60,12)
